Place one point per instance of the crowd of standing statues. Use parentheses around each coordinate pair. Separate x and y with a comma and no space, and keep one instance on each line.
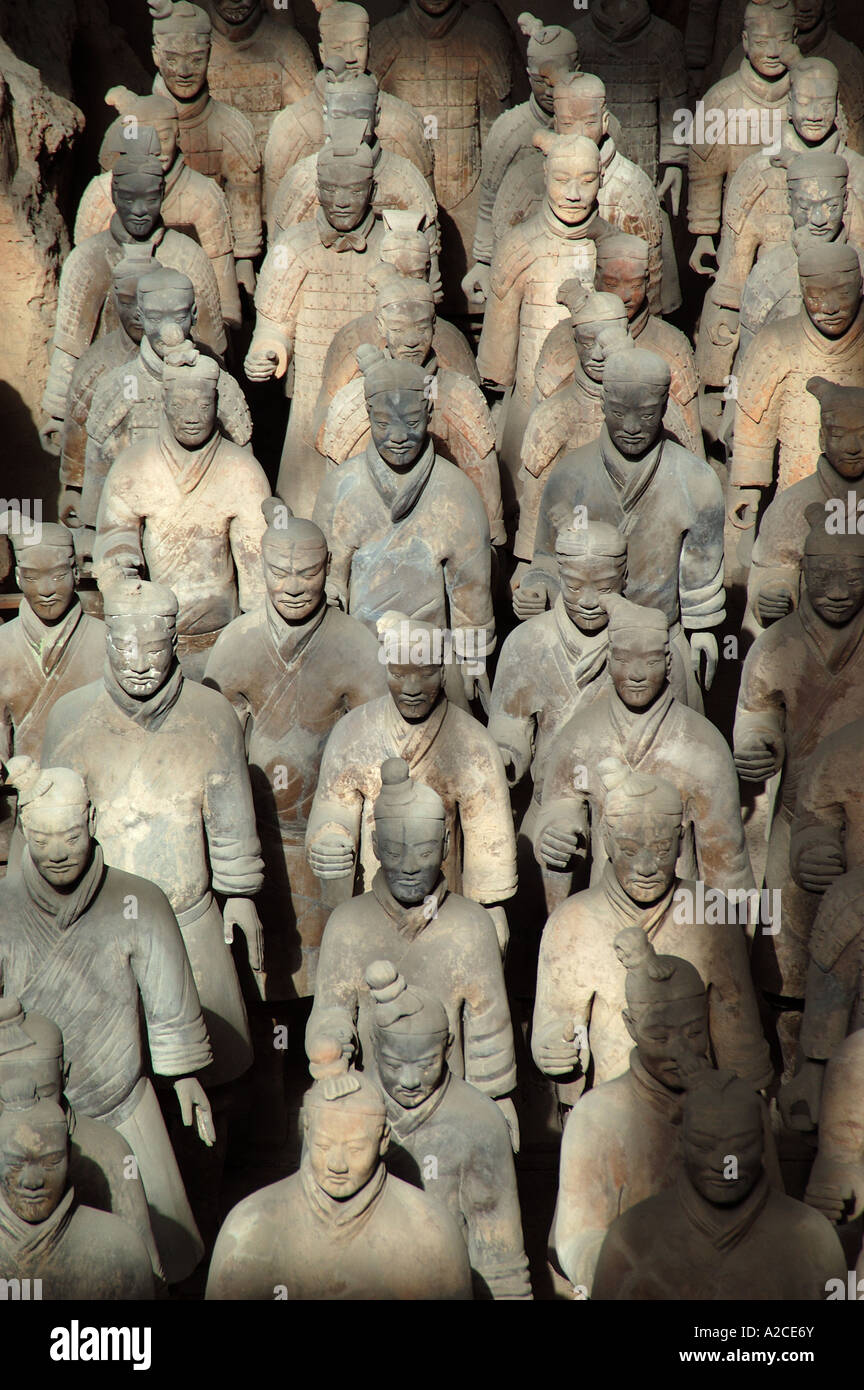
(432,675)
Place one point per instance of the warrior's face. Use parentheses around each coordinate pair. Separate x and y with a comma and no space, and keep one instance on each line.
(835,586)
(627,279)
(643,850)
(435,7)
(295,577)
(46,576)
(408,330)
(340,104)
(410,851)
(543,75)
(595,342)
(399,423)
(819,205)
(33,1166)
(634,412)
(190,409)
(182,60)
(344,1148)
(832,301)
(168,132)
(344,202)
(583,579)
(236,11)
(813,106)
(572,185)
(410,1066)
(141,653)
(138,200)
(348,41)
(415,689)
(671,1038)
(714,1131)
(808,13)
(126,304)
(639,663)
(582,116)
(841,439)
(158,309)
(59,839)
(767,41)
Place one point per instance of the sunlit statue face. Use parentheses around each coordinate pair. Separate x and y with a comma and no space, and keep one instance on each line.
(190,409)
(141,653)
(411,1066)
(182,60)
(33,1165)
(162,307)
(627,279)
(813,106)
(819,205)
(639,664)
(714,1132)
(295,577)
(572,185)
(416,690)
(344,203)
(408,330)
(410,851)
(835,586)
(399,424)
(46,576)
(832,301)
(583,579)
(59,839)
(643,850)
(344,1148)
(767,40)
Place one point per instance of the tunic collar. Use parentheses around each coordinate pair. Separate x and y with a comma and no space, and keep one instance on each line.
(400,491)
(49,643)
(435,26)
(668,1103)
(186,466)
(833,347)
(587,650)
(175,173)
(835,645)
(62,910)
(580,232)
(292,639)
(639,322)
(342,1216)
(150,714)
(187,111)
(355,240)
(409,921)
(632,914)
(767,93)
(792,145)
(724,1227)
(831,482)
(637,730)
(537,114)
(150,359)
(630,485)
(122,237)
(405,1122)
(31,1244)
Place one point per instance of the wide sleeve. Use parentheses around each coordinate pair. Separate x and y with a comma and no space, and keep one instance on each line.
(674,94)
(734,1027)
(489,861)
(707,167)
(175,1026)
(337,981)
(245,532)
(489,1201)
(490,1061)
(241,171)
(565,993)
(760,715)
(277,295)
(338,802)
(499,341)
(120,521)
(229,815)
(820,811)
(513,705)
(468,572)
(700,568)
(714,805)
(588,1191)
(757,412)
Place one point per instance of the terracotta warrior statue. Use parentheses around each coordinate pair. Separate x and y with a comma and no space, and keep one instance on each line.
(127,403)
(444,942)
(258,62)
(721,1231)
(431,1111)
(46,1234)
(165,764)
(637,478)
(580,984)
(443,745)
(342,1227)
(621,1143)
(827,836)
(405,527)
(298,130)
(836,1184)
(529,265)
(552,52)
(800,684)
(216,138)
(193,203)
(774,414)
(711,32)
(759,88)
(31,1057)
(314,281)
(636,718)
(291,670)
(184,510)
(460,426)
(457,69)
(90,946)
(776,566)
(85,310)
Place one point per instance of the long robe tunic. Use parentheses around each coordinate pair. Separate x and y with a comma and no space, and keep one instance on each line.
(289,686)
(449,948)
(293,1241)
(835,979)
(85,962)
(99,1172)
(259,68)
(416,541)
(802,680)
(580,980)
(829,808)
(474,1179)
(113,350)
(671,741)
(78,1254)
(192,520)
(450,752)
(678,1246)
(169,782)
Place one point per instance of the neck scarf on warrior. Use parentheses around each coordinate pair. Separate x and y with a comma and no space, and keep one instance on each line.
(120,234)
(49,643)
(581,232)
(636,729)
(335,240)
(400,491)
(630,481)
(835,645)
(26,1246)
(724,1227)
(435,26)
(588,650)
(623,27)
(765,92)
(405,1122)
(292,639)
(833,485)
(814,37)
(342,1216)
(539,117)
(409,921)
(186,466)
(632,914)
(668,1103)
(151,713)
(150,359)
(792,145)
(186,110)
(834,347)
(414,738)
(48,910)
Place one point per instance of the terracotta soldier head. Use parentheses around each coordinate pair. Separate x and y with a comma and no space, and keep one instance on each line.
(190,399)
(345,176)
(141,619)
(126,138)
(125,280)
(639,653)
(437,7)
(768,39)
(635,394)
(45,571)
(580,107)
(833,569)
(295,560)
(622,269)
(239,17)
(154,112)
(344,31)
(592,562)
(415,664)
(667,1010)
(814,99)
(166,297)
(344,1125)
(410,837)
(350,95)
(830,277)
(405,315)
(182,38)
(31,1051)
(642,830)
(572,176)
(410,1034)
(137,190)
(399,406)
(722,1118)
(552,52)
(818,194)
(599,323)
(57,821)
(841,431)
(403,247)
(34,1155)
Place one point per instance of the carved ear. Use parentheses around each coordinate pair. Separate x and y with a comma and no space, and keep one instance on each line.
(545,140)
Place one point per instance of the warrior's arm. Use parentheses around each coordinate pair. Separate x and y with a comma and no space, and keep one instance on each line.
(490,1203)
